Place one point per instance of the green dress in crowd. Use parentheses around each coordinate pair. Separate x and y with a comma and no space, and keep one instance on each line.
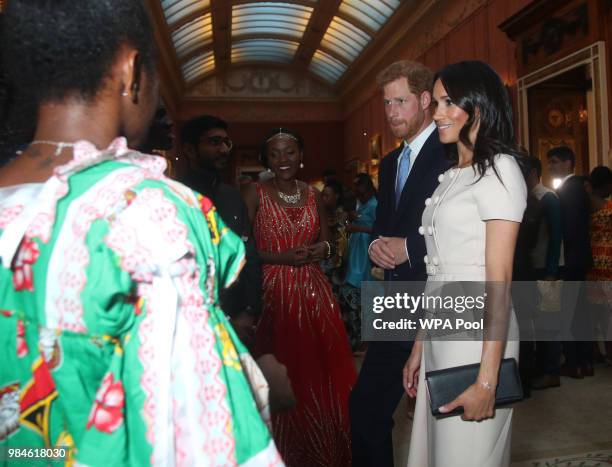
(112,342)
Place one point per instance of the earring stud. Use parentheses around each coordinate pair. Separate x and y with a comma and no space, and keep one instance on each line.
(301,165)
(125,94)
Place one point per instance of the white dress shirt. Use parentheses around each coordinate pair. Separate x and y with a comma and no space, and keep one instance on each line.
(415,148)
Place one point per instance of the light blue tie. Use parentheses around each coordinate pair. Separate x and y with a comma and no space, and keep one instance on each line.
(402,173)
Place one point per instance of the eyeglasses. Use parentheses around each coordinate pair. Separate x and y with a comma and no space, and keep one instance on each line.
(399,101)
(217,141)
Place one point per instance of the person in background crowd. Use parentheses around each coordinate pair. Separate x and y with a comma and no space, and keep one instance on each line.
(599,293)
(470,227)
(207,146)
(301,322)
(545,256)
(575,218)
(329,175)
(407,176)
(358,264)
(336,219)
(114,343)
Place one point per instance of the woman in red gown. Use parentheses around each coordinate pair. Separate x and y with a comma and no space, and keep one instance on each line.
(301,323)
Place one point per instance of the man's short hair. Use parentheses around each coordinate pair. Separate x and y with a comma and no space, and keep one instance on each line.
(419,77)
(600,177)
(533,163)
(193,129)
(562,153)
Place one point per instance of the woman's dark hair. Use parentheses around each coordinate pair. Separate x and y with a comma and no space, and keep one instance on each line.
(16,127)
(475,87)
(55,48)
(263,151)
(365,180)
(337,188)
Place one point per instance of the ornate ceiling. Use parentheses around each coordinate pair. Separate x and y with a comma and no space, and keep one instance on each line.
(321,39)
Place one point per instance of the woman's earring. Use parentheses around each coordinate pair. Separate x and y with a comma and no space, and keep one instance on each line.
(268,170)
(301,165)
(125,94)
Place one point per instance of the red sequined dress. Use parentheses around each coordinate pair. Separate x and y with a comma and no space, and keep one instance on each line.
(302,327)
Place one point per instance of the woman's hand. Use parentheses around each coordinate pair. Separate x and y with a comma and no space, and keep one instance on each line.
(318,251)
(411,369)
(478,402)
(297,256)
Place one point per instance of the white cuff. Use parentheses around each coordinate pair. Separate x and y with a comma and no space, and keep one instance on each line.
(407,254)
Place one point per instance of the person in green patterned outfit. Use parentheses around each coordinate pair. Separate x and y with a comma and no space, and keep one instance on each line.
(112,342)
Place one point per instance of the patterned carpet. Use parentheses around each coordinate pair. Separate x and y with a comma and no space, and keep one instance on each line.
(590,459)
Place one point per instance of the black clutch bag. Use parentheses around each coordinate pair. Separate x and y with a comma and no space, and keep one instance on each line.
(445,385)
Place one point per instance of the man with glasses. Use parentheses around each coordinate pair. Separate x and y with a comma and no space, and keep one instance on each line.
(207,146)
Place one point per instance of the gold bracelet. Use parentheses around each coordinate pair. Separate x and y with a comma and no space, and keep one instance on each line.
(329,251)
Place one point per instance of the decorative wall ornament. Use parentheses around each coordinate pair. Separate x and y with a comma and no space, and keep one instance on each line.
(261,83)
(257,110)
(554,32)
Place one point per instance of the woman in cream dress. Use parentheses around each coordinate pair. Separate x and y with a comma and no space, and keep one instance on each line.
(470,226)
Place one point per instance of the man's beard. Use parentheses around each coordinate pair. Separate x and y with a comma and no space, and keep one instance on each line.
(411,126)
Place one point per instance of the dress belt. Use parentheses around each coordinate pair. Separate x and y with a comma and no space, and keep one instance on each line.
(469,269)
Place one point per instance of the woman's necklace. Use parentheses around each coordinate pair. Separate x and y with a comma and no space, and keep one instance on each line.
(289,199)
(60,145)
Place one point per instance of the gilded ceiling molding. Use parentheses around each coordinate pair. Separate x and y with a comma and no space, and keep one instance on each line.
(261,112)
(260,84)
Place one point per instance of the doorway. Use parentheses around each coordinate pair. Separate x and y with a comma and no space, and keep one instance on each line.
(566,103)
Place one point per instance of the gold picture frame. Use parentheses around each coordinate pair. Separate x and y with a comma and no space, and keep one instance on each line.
(375,149)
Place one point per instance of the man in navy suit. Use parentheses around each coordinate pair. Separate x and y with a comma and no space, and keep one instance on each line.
(407,177)
(575,216)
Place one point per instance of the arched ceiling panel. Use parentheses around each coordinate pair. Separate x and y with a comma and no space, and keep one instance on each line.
(175,10)
(345,39)
(270,18)
(193,35)
(264,49)
(198,66)
(324,37)
(373,13)
(327,67)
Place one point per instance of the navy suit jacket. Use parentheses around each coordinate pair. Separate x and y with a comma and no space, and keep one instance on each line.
(406,219)
(575,216)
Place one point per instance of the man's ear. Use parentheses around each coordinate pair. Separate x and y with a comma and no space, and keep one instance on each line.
(425,100)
